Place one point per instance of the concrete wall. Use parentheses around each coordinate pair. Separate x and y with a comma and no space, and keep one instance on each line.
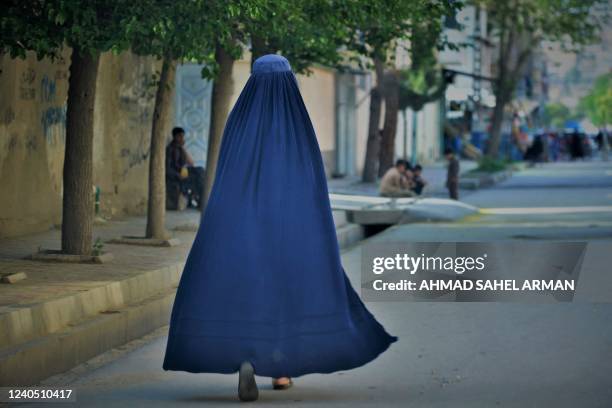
(32,125)
(362,115)
(428,128)
(428,134)
(32,133)
(319,93)
(125,96)
(32,137)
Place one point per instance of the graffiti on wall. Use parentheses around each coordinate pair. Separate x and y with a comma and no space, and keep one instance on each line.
(27,91)
(136,98)
(53,121)
(136,156)
(53,118)
(47,89)
(8,116)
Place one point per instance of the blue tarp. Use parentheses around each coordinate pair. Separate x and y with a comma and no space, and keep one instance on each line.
(573,125)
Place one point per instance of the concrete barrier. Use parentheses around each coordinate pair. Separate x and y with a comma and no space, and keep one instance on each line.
(30,362)
(22,323)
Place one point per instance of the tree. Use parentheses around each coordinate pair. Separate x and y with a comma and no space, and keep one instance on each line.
(306,32)
(519,27)
(172,32)
(89,28)
(555,115)
(597,105)
(379,28)
(417,89)
(422,83)
(228,48)
(223,88)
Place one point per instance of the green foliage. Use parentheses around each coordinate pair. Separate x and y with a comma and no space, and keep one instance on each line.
(569,22)
(556,114)
(307,32)
(488,164)
(182,30)
(186,30)
(45,26)
(419,87)
(520,25)
(424,82)
(98,247)
(597,104)
(380,25)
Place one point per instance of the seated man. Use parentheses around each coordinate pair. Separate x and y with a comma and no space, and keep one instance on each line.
(182,176)
(397,181)
(418,180)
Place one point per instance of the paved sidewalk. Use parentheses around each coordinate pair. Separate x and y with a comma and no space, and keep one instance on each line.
(46,280)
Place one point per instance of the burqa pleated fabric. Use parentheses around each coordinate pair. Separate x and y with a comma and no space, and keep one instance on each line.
(263,281)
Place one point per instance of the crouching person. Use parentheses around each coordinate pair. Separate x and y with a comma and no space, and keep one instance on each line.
(397,181)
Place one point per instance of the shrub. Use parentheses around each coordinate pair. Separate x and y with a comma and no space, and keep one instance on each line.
(491,165)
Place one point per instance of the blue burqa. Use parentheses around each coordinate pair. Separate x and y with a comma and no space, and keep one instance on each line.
(263,281)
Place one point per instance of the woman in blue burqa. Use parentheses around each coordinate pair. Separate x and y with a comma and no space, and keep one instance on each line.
(263,290)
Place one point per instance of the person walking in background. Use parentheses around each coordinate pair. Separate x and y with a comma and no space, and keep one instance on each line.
(452,175)
(397,181)
(576,146)
(555,146)
(535,152)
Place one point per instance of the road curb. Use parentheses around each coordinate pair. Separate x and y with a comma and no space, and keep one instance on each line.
(33,361)
(477,181)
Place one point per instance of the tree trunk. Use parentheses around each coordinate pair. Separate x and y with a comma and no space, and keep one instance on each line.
(156,208)
(223,89)
(605,144)
(373,144)
(514,51)
(405,134)
(415,129)
(259,48)
(77,205)
(496,124)
(387,143)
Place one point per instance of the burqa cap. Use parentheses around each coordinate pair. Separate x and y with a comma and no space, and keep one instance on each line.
(271,63)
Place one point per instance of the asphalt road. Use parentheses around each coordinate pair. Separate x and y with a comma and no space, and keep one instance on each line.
(448,354)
